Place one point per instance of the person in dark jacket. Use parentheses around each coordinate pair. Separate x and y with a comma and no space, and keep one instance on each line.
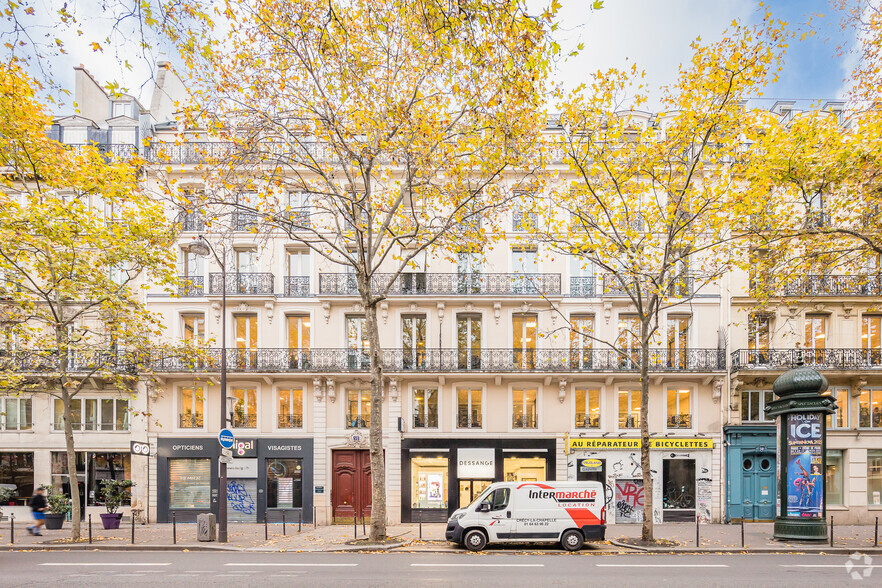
(38,506)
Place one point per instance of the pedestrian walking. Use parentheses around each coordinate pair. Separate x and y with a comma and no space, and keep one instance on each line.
(38,506)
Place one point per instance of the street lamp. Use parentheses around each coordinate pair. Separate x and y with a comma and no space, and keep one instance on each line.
(203,248)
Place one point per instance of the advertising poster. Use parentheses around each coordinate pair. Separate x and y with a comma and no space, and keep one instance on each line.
(805,465)
(436,487)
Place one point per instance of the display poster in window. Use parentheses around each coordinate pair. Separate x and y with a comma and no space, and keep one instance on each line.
(805,464)
(435,487)
(286,491)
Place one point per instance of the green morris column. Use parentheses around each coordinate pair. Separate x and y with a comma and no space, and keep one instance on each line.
(801,412)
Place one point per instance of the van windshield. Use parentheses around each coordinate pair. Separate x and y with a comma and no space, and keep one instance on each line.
(482,496)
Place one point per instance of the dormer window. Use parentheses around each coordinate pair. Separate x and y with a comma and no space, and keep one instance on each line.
(76,135)
(122,109)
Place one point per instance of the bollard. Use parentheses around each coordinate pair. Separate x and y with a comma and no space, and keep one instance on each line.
(174,528)
(90,528)
(284,531)
(363,531)
(697,538)
(12,529)
(876,534)
(314,520)
(133,528)
(265,528)
(300,521)
(742,533)
(420,518)
(831,531)
(355,524)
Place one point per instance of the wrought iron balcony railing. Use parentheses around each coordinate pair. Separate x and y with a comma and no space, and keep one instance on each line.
(245,221)
(191,285)
(582,286)
(266,360)
(354,421)
(290,421)
(680,287)
(244,421)
(524,421)
(679,421)
(242,283)
(831,285)
(418,283)
(464,420)
(43,361)
(585,421)
(191,421)
(297,286)
(821,359)
(192,222)
(523,220)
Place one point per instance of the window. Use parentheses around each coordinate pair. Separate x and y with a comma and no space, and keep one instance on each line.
(468,341)
(629,409)
(358,409)
(189,483)
(815,338)
(245,409)
(582,281)
(413,341)
(587,408)
(192,413)
(871,338)
(834,477)
(758,338)
(679,408)
(523,216)
(246,261)
(91,469)
(524,468)
(581,331)
(525,266)
(298,273)
(299,208)
(359,344)
(753,405)
(498,499)
(628,341)
(678,477)
(429,481)
(94,414)
(246,340)
(760,273)
(193,327)
(468,408)
(678,341)
(284,483)
(15,414)
(425,408)
(290,408)
(17,472)
(468,269)
(298,341)
(121,108)
(525,410)
(839,419)
(874,476)
(870,402)
(524,341)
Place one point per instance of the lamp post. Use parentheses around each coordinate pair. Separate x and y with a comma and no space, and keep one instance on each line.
(203,248)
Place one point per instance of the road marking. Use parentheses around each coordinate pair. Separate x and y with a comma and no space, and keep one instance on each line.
(825,566)
(128,563)
(661,565)
(476,565)
(311,565)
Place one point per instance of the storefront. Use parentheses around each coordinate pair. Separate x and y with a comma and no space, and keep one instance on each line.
(442,475)
(682,467)
(267,476)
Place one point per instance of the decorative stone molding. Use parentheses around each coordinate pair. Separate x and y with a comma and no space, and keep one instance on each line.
(847,309)
(326,310)
(317,388)
(269,311)
(216,308)
(607,311)
(497,310)
(393,389)
(525,307)
(243,307)
(562,390)
(717,390)
(332,391)
(857,386)
(384,311)
(440,311)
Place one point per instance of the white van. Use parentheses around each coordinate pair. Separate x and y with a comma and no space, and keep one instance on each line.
(518,512)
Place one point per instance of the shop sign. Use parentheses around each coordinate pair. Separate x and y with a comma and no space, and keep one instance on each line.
(805,483)
(245,448)
(660,443)
(475,462)
(242,468)
(590,465)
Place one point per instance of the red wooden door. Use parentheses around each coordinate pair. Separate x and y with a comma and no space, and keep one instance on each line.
(351,484)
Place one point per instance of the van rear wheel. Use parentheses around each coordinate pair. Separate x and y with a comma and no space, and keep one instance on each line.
(475,540)
(572,540)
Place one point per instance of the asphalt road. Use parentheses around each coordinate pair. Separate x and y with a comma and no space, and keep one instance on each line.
(111,569)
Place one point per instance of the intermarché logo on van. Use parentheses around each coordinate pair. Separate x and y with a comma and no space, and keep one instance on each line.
(563,496)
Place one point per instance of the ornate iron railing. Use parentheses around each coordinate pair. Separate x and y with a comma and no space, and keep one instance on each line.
(523,220)
(191,421)
(245,421)
(242,283)
(585,421)
(192,221)
(354,421)
(838,285)
(442,360)
(47,361)
(297,286)
(267,151)
(680,287)
(582,286)
(245,221)
(418,283)
(290,421)
(821,359)
(524,421)
(191,285)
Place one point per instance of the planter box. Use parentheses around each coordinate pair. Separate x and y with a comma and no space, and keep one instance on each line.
(111,520)
(54,521)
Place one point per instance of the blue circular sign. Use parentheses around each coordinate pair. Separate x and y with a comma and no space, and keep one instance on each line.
(226,439)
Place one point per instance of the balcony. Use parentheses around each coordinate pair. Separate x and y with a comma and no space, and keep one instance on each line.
(524,421)
(354,421)
(245,221)
(582,286)
(445,284)
(679,421)
(680,287)
(46,361)
(193,222)
(296,286)
(523,221)
(821,359)
(584,421)
(831,285)
(191,286)
(190,421)
(284,360)
(290,421)
(242,283)
(244,421)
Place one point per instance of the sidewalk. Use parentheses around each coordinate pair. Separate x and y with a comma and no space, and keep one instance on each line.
(255,537)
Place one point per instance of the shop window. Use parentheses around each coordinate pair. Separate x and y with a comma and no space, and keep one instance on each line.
(629,409)
(191,403)
(17,473)
(91,469)
(834,478)
(753,405)
(15,414)
(525,412)
(678,492)
(245,409)
(425,408)
(429,482)
(839,419)
(468,408)
(189,483)
(871,338)
(874,477)
(524,469)
(679,408)
(284,483)
(93,414)
(290,408)
(358,409)
(870,403)
(587,408)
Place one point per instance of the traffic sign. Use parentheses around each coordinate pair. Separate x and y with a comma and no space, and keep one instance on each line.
(140,448)
(226,439)
(225,459)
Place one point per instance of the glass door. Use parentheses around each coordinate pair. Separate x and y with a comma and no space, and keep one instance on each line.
(413,342)
(246,341)
(468,336)
(471,489)
(358,342)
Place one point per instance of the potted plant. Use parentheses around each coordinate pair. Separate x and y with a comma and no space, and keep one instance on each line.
(115,491)
(59,506)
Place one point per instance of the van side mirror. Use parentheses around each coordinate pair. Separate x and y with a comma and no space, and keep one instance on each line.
(484,506)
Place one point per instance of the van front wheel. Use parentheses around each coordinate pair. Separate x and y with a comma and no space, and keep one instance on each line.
(475,540)
(572,540)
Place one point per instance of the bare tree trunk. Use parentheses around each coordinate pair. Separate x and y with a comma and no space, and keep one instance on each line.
(75,513)
(647,531)
(378,463)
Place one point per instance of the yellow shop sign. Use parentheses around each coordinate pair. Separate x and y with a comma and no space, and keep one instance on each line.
(632,443)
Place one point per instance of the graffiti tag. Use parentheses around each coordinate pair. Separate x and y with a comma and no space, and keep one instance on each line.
(239,499)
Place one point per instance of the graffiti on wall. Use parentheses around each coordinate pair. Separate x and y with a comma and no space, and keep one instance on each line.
(703,496)
(239,499)
(629,501)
